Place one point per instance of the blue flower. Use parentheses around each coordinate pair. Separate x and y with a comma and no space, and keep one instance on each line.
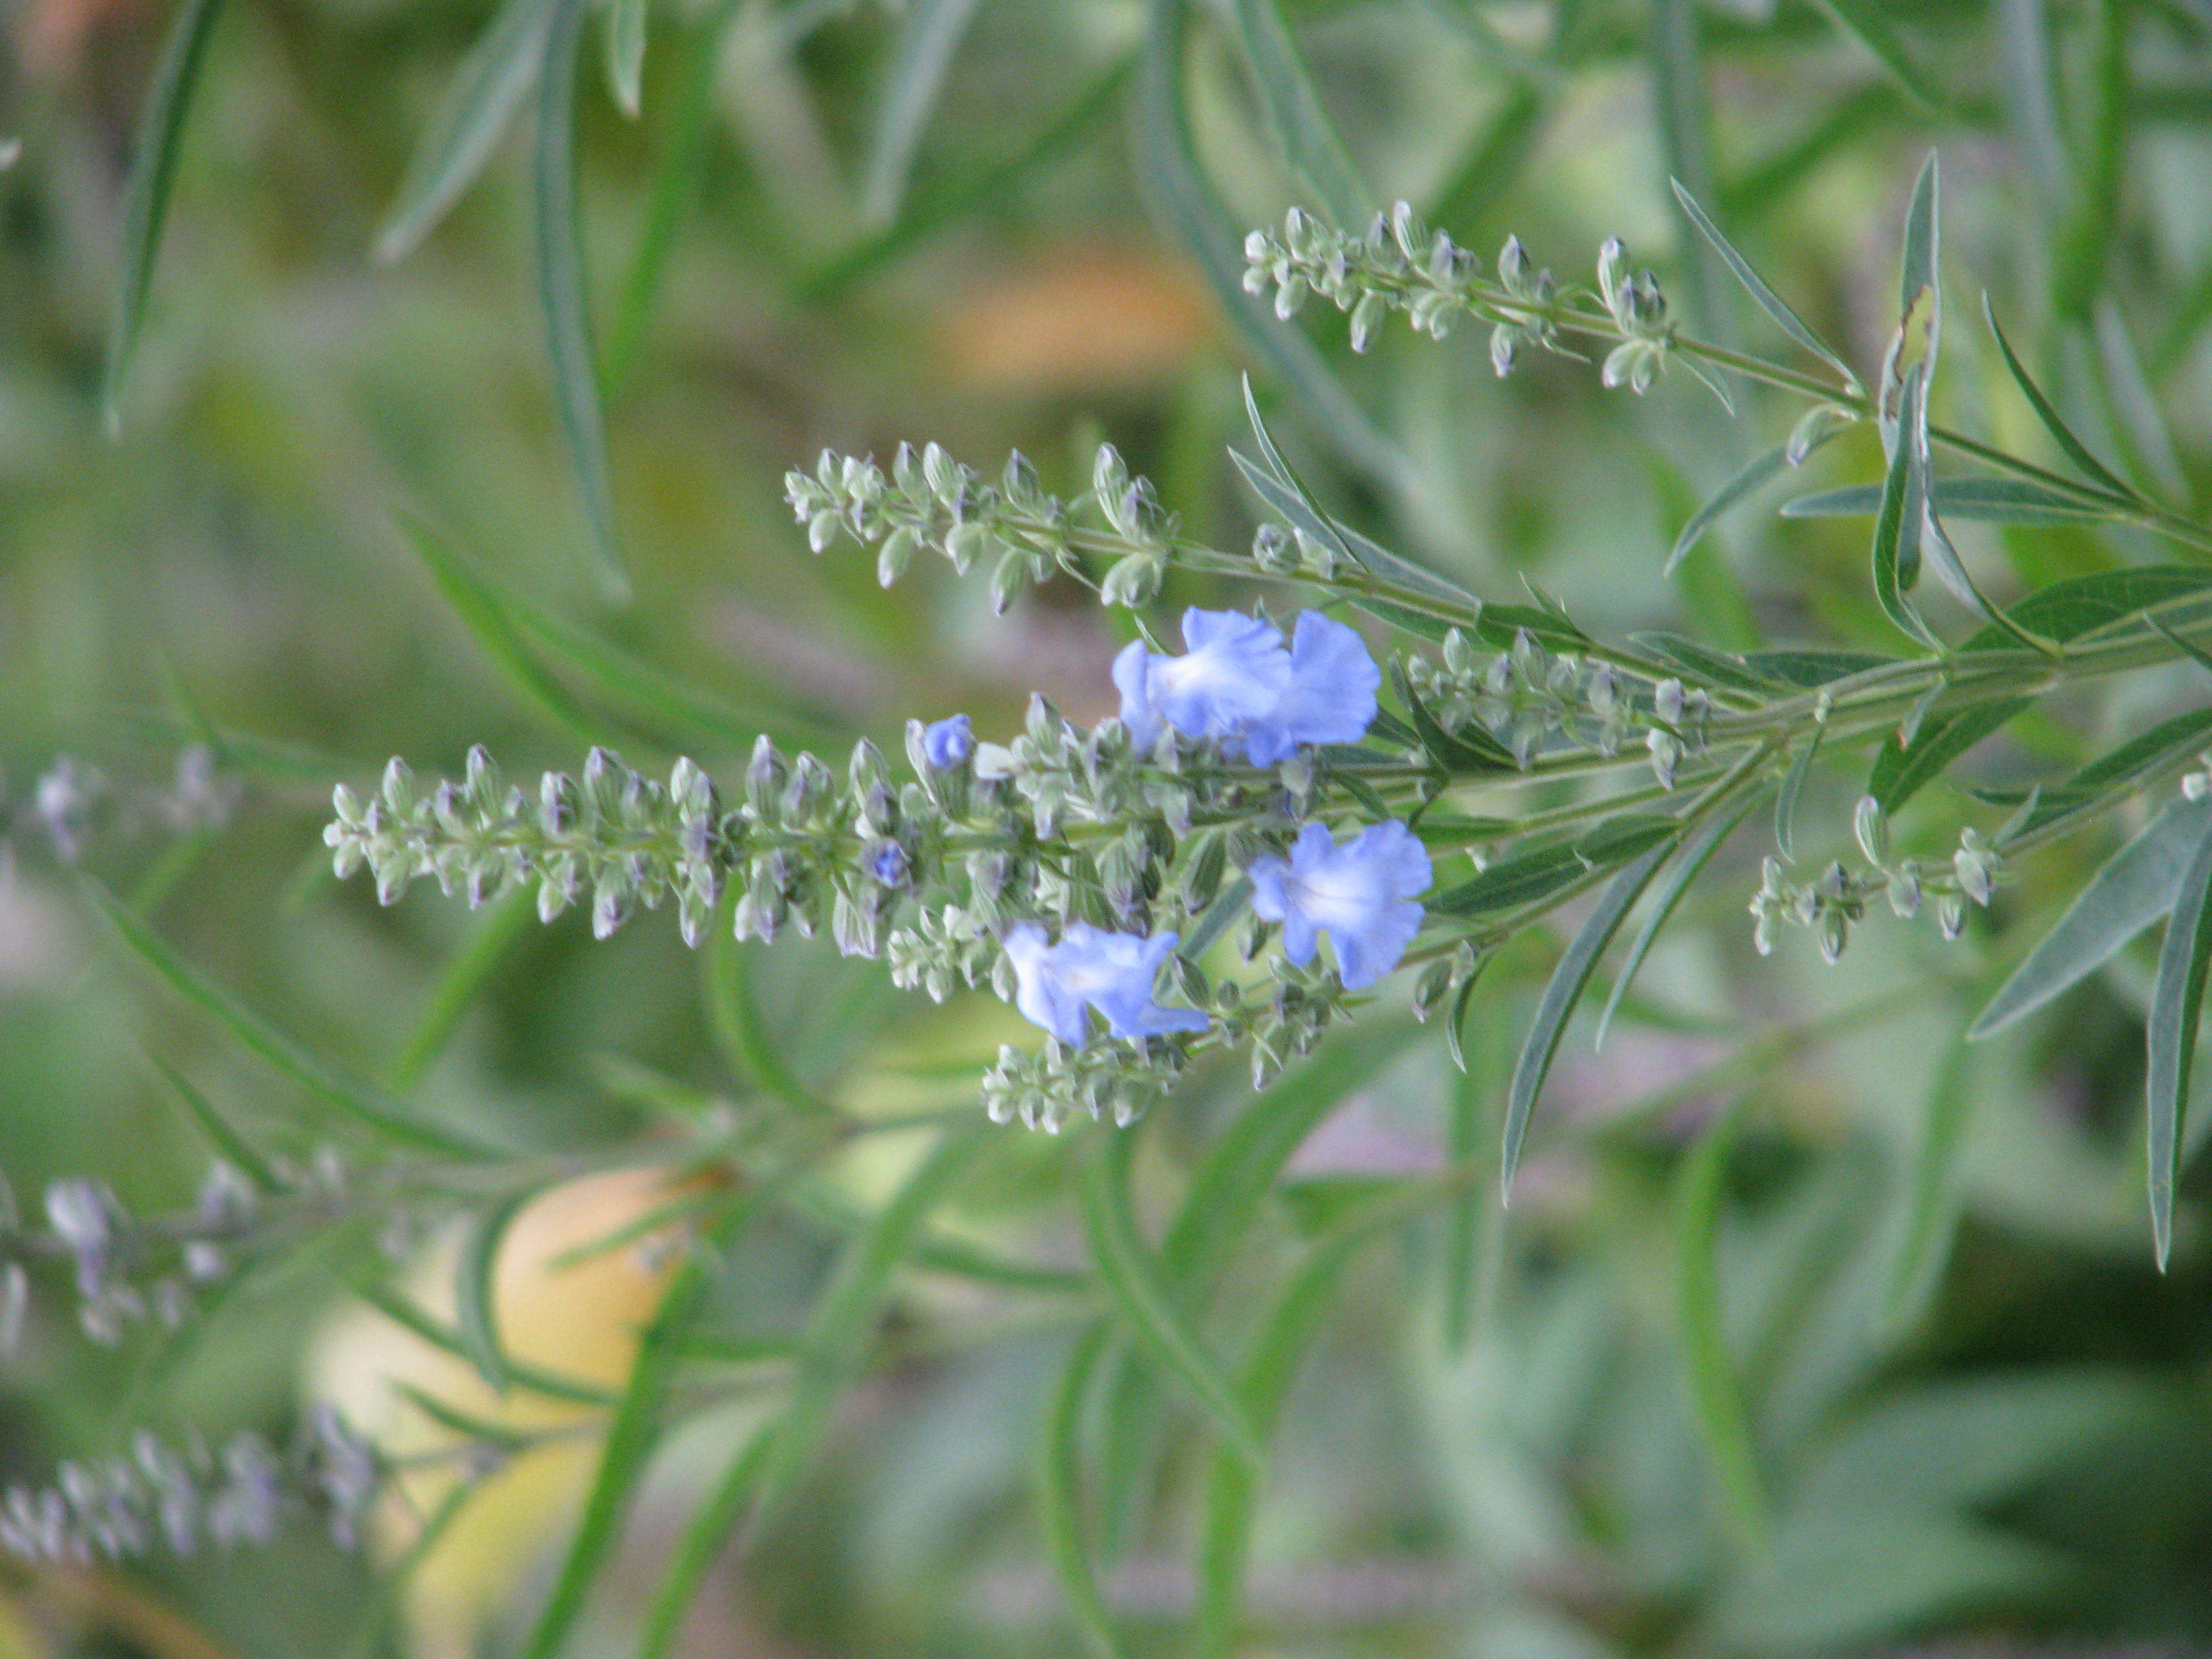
(949,742)
(887,862)
(1360,894)
(1110,972)
(1236,681)
(1330,697)
(1233,671)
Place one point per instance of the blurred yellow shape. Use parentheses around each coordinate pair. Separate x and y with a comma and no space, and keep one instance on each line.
(580,1318)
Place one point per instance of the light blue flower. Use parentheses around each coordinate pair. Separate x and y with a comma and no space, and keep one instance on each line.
(1233,671)
(948,743)
(1110,972)
(1360,894)
(1330,697)
(888,863)
(1237,682)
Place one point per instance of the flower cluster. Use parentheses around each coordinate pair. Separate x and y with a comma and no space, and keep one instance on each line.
(1235,683)
(1016,526)
(159,1497)
(1053,867)
(1399,264)
(74,804)
(1839,896)
(125,1274)
(1530,698)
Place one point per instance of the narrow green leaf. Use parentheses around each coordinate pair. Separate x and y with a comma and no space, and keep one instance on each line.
(560,288)
(1951,569)
(461,984)
(1060,1488)
(1984,500)
(1703,664)
(1919,277)
(1232,1487)
(626,54)
(1167,163)
(1715,1392)
(733,1019)
(2074,449)
(2167,744)
(681,154)
(2177,1005)
(446,1339)
(2136,886)
(1674,50)
(1932,1215)
(1523,878)
(234,1146)
(479,607)
(930,208)
(1746,478)
(1217,919)
(1308,139)
(924,40)
(1473,753)
(1465,1140)
(1561,994)
(146,195)
(1864,21)
(632,1435)
(1281,488)
(1793,785)
(1768,301)
(1904,766)
(1128,1272)
(2135,411)
(705,1536)
(257,1036)
(2103,600)
(488,86)
(468,1426)
(475,1314)
(1696,852)
(384,1598)
(843,1323)
(1902,515)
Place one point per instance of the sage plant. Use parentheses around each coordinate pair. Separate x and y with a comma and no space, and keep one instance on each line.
(1163,884)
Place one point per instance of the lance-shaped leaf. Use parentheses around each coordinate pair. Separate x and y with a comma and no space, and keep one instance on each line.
(145,196)
(1568,981)
(2076,451)
(1060,1493)
(1793,785)
(626,54)
(1286,492)
(1749,477)
(1904,512)
(475,1314)
(1716,1390)
(2177,1003)
(1768,301)
(560,288)
(1308,139)
(487,88)
(1862,20)
(1696,852)
(1977,500)
(1168,163)
(1131,1273)
(925,39)
(2136,886)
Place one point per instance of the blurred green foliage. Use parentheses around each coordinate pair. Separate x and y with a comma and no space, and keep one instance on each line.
(1811,1330)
